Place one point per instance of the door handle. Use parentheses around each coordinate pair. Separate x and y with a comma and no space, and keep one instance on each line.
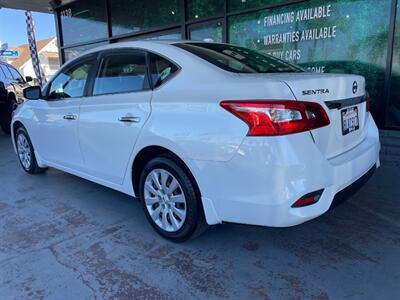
(129,119)
(69,117)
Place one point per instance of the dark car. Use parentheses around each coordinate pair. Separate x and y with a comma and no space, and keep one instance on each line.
(11,93)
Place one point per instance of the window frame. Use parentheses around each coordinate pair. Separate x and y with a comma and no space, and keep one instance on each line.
(74,63)
(9,75)
(22,79)
(111,52)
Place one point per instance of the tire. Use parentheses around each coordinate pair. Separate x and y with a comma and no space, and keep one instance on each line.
(174,203)
(26,153)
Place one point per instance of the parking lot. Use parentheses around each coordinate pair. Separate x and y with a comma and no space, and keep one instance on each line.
(63,237)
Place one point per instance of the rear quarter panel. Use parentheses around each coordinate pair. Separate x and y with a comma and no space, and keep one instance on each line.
(187,116)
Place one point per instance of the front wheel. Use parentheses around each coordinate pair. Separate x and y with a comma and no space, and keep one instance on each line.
(170,201)
(26,153)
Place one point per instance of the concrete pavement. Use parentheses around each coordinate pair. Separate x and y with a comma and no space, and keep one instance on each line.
(62,237)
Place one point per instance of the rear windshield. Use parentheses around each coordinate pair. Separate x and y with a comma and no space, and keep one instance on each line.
(238,59)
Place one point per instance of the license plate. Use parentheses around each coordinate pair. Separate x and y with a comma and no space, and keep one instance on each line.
(350,120)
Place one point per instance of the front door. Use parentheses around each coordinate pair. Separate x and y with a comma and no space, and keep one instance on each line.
(111,119)
(56,118)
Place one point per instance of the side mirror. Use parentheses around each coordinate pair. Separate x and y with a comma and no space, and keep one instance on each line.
(33,93)
(28,78)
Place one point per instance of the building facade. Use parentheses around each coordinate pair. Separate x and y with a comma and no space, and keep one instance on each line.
(48,57)
(341,36)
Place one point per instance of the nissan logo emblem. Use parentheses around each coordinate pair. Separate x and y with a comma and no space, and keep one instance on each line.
(355,87)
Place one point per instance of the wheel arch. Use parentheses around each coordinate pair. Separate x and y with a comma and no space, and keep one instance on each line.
(148,153)
(14,127)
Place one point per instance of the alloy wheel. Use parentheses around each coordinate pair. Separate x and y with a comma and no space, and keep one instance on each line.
(24,151)
(165,200)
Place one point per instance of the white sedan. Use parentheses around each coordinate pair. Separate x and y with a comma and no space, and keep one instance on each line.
(202,133)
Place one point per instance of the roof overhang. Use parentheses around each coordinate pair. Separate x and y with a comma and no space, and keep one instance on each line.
(32,5)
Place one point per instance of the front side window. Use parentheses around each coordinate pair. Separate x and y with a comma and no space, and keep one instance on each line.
(7,72)
(238,59)
(15,75)
(122,73)
(161,69)
(70,83)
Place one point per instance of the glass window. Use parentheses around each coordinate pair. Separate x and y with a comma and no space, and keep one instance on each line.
(137,15)
(70,53)
(70,83)
(161,69)
(3,72)
(234,5)
(165,36)
(83,21)
(393,111)
(7,72)
(339,36)
(207,32)
(16,75)
(169,35)
(238,59)
(121,73)
(204,8)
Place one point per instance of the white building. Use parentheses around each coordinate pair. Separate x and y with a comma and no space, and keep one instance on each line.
(48,56)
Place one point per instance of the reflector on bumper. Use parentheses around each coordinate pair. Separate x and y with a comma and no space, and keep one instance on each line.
(308,199)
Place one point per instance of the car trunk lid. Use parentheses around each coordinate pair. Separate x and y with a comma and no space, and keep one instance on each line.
(343,98)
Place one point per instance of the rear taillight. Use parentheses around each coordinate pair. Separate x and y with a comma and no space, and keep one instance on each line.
(368,101)
(278,117)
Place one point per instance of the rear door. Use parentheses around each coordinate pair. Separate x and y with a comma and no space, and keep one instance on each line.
(112,117)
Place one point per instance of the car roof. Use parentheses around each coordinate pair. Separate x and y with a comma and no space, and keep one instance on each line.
(6,64)
(147,44)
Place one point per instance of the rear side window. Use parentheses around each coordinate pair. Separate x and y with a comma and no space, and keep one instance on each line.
(238,59)
(122,73)
(70,83)
(161,69)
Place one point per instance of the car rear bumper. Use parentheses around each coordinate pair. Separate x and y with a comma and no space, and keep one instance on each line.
(267,175)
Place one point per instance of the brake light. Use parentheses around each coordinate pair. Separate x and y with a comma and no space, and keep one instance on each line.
(277,117)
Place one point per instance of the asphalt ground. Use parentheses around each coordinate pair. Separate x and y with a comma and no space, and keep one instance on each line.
(62,237)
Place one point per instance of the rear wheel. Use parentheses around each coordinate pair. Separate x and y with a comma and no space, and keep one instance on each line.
(170,201)
(26,153)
